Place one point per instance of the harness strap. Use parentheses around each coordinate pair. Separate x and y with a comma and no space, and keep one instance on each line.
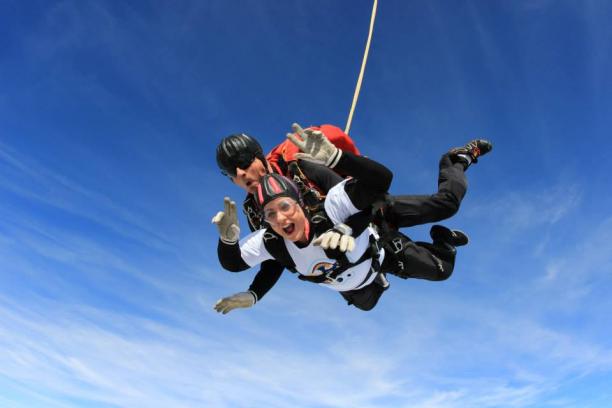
(276,247)
(371,253)
(311,195)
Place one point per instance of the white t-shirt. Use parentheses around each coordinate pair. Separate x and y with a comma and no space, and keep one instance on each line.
(312,260)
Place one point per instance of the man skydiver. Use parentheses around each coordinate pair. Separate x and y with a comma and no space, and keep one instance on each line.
(241,158)
(289,239)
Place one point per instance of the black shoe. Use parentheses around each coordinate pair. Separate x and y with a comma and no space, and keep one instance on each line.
(441,234)
(474,149)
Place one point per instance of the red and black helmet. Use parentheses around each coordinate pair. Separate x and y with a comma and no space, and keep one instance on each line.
(272,186)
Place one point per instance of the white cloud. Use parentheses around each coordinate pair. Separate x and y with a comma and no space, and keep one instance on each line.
(584,265)
(517,211)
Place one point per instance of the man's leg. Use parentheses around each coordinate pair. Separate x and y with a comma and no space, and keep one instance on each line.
(409,210)
(422,260)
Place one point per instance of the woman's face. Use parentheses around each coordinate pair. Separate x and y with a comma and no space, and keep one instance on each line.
(287,219)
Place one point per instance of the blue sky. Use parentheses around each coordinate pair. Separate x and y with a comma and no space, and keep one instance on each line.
(109,116)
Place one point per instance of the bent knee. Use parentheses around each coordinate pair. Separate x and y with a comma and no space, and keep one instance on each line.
(448,205)
(450,208)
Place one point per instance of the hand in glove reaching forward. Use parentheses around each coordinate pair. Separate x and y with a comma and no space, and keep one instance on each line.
(241,299)
(227,222)
(315,146)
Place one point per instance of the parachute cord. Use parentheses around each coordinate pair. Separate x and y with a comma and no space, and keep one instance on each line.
(363,65)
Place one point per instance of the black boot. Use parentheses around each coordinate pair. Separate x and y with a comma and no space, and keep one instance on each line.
(442,235)
(470,153)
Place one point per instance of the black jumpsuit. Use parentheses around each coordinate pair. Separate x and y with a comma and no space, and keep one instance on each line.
(414,260)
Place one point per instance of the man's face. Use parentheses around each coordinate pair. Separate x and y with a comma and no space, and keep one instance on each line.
(248,179)
(287,219)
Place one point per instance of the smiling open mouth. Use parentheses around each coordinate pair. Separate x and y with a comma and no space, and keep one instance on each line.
(289,229)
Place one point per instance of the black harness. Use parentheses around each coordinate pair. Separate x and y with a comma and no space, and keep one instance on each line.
(320,223)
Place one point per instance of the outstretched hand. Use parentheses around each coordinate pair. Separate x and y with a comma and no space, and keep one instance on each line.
(315,146)
(241,299)
(227,222)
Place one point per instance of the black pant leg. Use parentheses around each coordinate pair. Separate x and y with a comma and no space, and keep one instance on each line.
(409,210)
(419,260)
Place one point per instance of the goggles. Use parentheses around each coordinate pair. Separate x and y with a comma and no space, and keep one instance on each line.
(239,161)
(286,207)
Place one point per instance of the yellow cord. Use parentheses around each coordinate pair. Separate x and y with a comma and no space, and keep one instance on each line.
(363,64)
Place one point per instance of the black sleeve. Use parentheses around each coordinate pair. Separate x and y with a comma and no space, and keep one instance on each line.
(266,278)
(229,257)
(322,176)
(370,179)
(325,178)
(359,221)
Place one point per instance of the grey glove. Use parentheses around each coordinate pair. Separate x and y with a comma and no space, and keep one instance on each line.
(315,146)
(337,237)
(241,299)
(227,222)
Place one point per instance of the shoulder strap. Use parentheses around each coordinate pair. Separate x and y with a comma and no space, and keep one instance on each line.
(311,194)
(253,213)
(275,245)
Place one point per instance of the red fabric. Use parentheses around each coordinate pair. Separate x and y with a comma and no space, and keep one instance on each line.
(274,185)
(287,150)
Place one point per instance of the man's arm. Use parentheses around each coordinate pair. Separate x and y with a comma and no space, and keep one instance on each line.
(323,177)
(370,181)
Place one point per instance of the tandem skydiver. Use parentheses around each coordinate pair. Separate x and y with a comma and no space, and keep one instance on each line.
(241,158)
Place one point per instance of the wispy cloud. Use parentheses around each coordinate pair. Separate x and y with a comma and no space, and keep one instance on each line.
(31,180)
(518,211)
(328,355)
(582,267)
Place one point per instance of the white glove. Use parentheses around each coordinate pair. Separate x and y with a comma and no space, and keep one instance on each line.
(337,237)
(316,147)
(227,222)
(241,299)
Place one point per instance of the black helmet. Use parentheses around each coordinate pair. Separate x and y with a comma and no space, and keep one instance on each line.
(272,186)
(238,151)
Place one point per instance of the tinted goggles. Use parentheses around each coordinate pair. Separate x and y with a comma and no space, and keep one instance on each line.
(240,161)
